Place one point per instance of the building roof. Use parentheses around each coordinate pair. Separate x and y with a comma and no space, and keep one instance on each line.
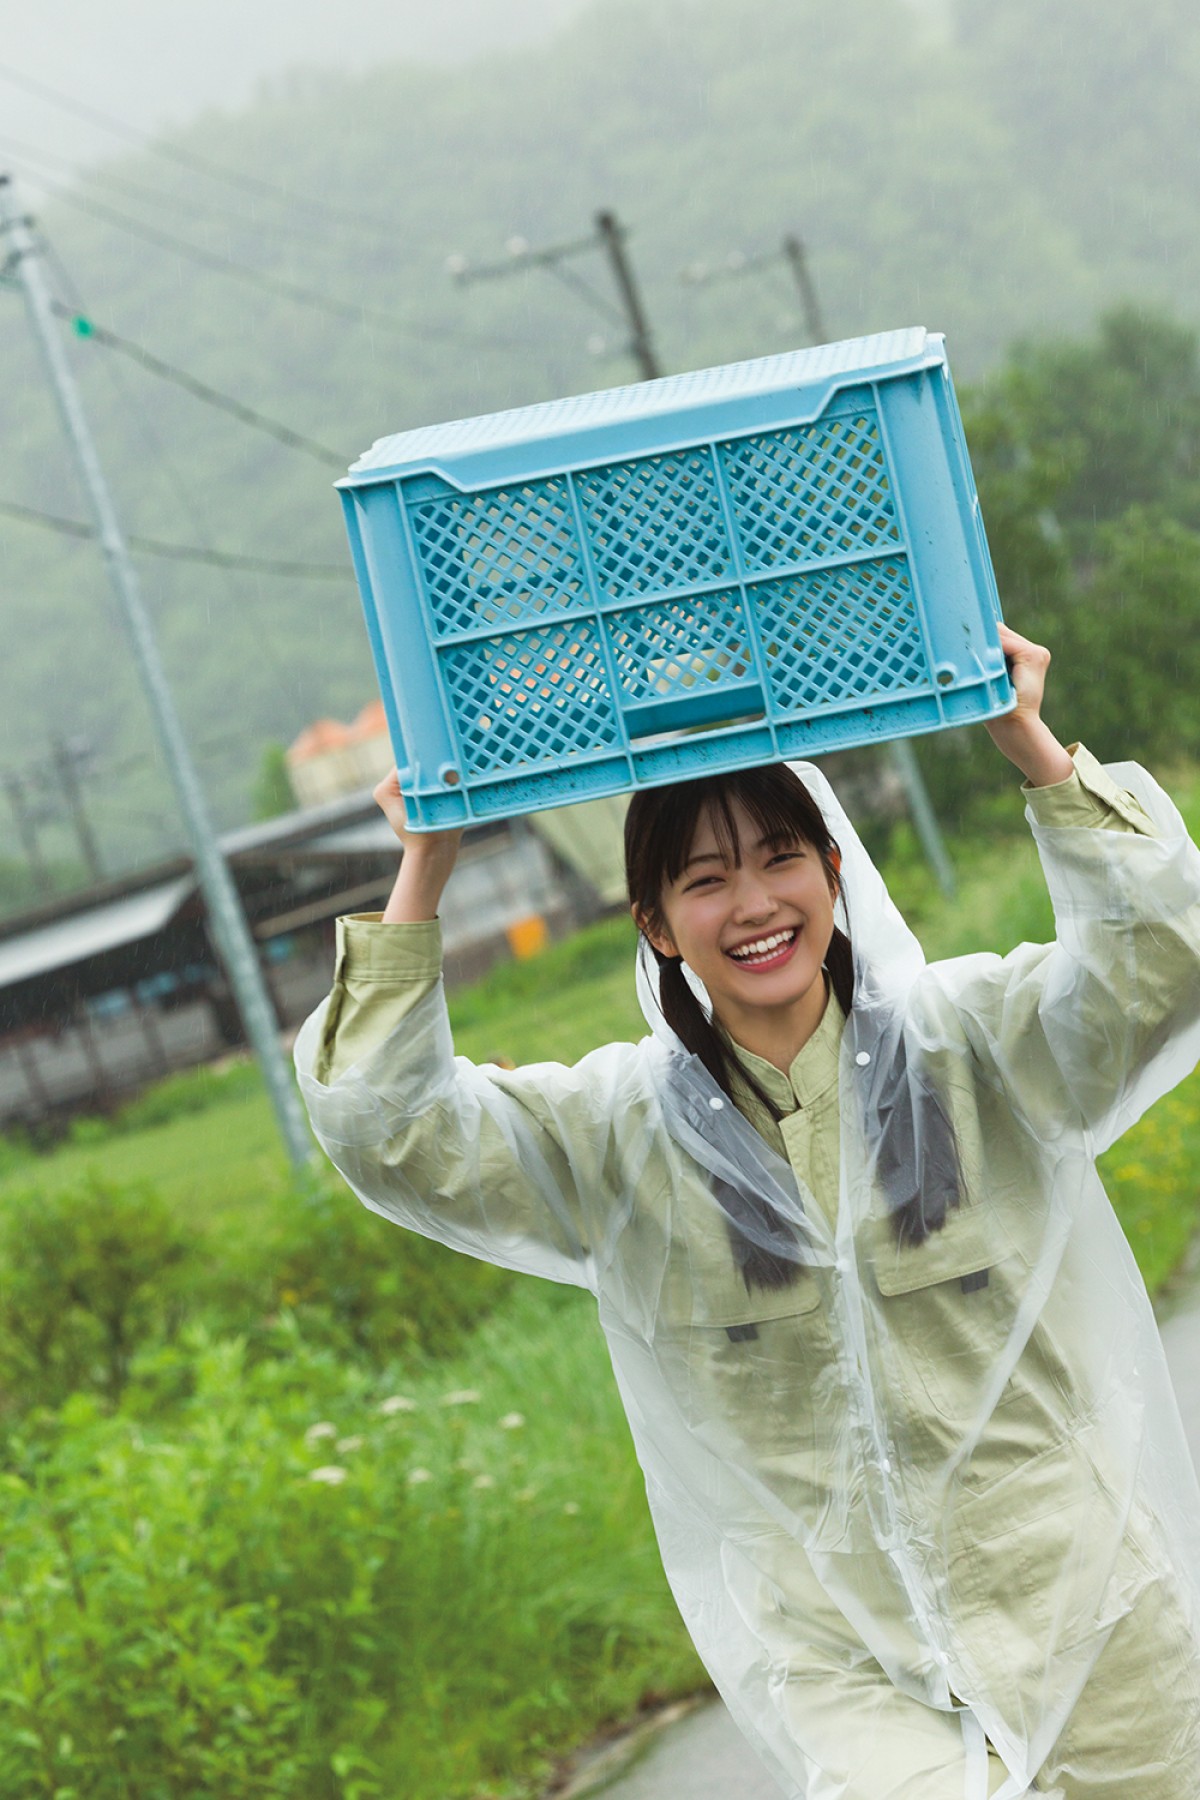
(62,942)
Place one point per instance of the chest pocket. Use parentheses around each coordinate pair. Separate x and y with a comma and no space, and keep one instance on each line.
(755,1372)
(963,1251)
(947,1329)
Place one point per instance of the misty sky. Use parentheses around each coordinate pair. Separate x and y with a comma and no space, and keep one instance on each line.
(157,63)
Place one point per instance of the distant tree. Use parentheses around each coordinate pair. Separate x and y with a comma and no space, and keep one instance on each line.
(1087,458)
(272,790)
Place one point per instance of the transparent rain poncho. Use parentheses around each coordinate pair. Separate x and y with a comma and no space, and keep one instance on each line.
(927,1510)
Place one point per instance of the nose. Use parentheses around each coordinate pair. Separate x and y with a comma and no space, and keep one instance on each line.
(753,899)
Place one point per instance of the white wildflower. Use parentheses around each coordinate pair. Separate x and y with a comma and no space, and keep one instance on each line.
(484,1481)
(570,1509)
(397,1403)
(323,1429)
(512,1421)
(330,1474)
(461,1397)
(347,1444)
(417,1476)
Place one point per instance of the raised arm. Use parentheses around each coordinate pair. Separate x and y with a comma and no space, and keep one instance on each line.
(1107,1018)
(522,1167)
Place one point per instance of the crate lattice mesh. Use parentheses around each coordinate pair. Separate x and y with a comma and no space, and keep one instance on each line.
(681,648)
(806,495)
(841,635)
(530,698)
(655,524)
(499,557)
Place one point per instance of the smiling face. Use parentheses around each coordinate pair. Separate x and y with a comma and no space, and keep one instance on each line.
(752,915)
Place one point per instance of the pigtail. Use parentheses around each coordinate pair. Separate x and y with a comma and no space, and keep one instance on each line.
(764,1244)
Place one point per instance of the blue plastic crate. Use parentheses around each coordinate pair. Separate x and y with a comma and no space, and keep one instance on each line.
(768,560)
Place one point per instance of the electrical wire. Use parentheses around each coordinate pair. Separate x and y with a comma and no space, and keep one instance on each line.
(253,184)
(86,328)
(29,156)
(193,553)
(356,311)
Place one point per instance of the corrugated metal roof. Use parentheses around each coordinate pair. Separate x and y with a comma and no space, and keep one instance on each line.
(72,940)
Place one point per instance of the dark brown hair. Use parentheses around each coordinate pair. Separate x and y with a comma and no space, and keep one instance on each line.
(660,827)
(918,1157)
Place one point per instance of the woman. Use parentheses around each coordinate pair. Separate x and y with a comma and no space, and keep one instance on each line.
(912,1456)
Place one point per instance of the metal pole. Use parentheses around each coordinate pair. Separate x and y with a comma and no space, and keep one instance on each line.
(220,895)
(612,237)
(904,761)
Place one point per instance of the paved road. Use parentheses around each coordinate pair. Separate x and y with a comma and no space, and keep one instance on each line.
(704,1757)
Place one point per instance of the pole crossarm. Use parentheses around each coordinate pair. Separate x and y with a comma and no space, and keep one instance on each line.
(609,236)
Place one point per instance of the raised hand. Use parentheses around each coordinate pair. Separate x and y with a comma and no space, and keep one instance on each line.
(1023,735)
(427,863)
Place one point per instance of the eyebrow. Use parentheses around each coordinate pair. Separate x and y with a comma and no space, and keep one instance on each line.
(764,843)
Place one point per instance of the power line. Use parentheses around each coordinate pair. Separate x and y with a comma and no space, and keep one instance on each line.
(27,157)
(86,328)
(193,553)
(253,184)
(356,311)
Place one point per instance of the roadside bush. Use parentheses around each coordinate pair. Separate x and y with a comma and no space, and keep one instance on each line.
(360,1284)
(90,1276)
(307,1585)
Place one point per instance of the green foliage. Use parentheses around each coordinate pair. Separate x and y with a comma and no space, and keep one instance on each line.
(98,1272)
(88,1278)
(313,1586)
(190,1091)
(273,790)
(366,1289)
(1087,457)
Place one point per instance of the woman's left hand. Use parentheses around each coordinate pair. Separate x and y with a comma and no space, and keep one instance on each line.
(1023,735)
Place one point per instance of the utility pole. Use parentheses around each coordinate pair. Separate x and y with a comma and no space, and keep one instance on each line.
(609,235)
(792,252)
(14,786)
(227,919)
(797,261)
(612,236)
(67,756)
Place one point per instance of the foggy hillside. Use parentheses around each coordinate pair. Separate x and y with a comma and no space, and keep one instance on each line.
(997,181)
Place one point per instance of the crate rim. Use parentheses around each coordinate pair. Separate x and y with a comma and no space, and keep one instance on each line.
(436,449)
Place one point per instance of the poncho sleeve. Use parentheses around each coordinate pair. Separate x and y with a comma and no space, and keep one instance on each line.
(524,1167)
(1096,1026)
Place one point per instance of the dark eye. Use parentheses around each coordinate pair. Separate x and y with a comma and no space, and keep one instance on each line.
(781,856)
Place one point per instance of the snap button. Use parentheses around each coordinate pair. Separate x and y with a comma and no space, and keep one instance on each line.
(716,1103)
(862,1059)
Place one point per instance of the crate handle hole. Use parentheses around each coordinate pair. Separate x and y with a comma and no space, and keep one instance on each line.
(946,674)
(449,776)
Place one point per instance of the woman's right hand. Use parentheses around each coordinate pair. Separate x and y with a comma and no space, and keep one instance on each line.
(426,866)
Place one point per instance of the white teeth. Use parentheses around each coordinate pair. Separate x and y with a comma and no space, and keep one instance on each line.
(762,946)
